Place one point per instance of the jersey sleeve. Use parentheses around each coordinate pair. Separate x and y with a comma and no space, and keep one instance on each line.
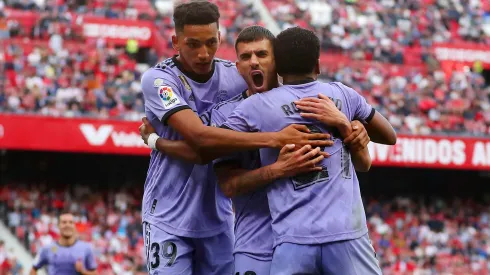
(245,117)
(41,259)
(359,107)
(217,118)
(90,263)
(162,96)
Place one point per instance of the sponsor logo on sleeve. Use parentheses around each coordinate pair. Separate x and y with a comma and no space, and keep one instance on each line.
(158,82)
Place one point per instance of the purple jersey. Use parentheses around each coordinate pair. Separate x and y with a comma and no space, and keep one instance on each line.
(253,231)
(317,207)
(61,259)
(180,197)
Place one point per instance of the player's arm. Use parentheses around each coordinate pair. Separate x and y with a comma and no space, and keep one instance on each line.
(360,156)
(234,180)
(380,130)
(175,148)
(40,261)
(88,266)
(206,139)
(171,109)
(377,126)
(324,110)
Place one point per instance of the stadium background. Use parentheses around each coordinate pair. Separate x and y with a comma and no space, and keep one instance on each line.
(70,102)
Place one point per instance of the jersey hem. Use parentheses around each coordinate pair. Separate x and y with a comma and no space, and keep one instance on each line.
(321,240)
(181,232)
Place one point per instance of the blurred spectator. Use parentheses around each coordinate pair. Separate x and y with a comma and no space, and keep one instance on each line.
(60,77)
(420,103)
(110,220)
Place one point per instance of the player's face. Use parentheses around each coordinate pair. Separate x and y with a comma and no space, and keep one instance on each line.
(256,65)
(66,225)
(197,45)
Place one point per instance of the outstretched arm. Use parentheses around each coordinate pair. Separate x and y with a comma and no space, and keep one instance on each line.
(223,141)
(234,180)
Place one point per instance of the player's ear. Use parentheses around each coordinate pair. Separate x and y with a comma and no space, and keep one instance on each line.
(239,68)
(175,42)
(219,38)
(317,67)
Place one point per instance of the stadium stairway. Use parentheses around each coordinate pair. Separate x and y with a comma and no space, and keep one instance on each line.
(14,245)
(266,16)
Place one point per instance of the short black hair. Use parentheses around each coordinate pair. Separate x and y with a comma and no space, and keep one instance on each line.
(254,33)
(63,212)
(296,51)
(195,13)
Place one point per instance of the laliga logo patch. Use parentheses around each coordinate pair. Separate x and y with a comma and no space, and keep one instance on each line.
(168,97)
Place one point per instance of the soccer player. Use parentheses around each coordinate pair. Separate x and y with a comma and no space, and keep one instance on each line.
(67,256)
(187,221)
(318,219)
(253,233)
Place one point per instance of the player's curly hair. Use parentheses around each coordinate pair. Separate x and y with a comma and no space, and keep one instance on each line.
(195,13)
(254,33)
(296,51)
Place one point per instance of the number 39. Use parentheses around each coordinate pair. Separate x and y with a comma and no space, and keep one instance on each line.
(169,252)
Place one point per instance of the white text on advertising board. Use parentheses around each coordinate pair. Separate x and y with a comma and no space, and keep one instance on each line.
(116,31)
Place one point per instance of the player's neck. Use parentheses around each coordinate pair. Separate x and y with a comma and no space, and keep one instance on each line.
(298,79)
(187,70)
(67,241)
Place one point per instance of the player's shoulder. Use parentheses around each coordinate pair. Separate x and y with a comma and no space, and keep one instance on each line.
(226,64)
(231,102)
(161,73)
(339,86)
(81,243)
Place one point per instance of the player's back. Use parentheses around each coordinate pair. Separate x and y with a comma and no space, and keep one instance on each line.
(61,259)
(180,197)
(317,207)
(253,231)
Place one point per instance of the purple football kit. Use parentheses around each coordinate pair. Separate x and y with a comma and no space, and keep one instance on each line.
(253,232)
(314,212)
(187,221)
(61,259)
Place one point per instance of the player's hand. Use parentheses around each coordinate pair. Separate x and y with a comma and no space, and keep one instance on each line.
(300,135)
(359,138)
(291,162)
(79,266)
(146,129)
(322,109)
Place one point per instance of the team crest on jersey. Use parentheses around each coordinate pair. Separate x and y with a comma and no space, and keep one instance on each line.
(54,248)
(168,97)
(158,82)
(222,96)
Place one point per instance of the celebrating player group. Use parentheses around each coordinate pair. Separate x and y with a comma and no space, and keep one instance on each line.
(286,154)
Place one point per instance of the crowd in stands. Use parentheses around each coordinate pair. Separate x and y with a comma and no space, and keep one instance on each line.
(8,262)
(60,77)
(111,221)
(408,234)
(422,103)
(436,236)
(378,30)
